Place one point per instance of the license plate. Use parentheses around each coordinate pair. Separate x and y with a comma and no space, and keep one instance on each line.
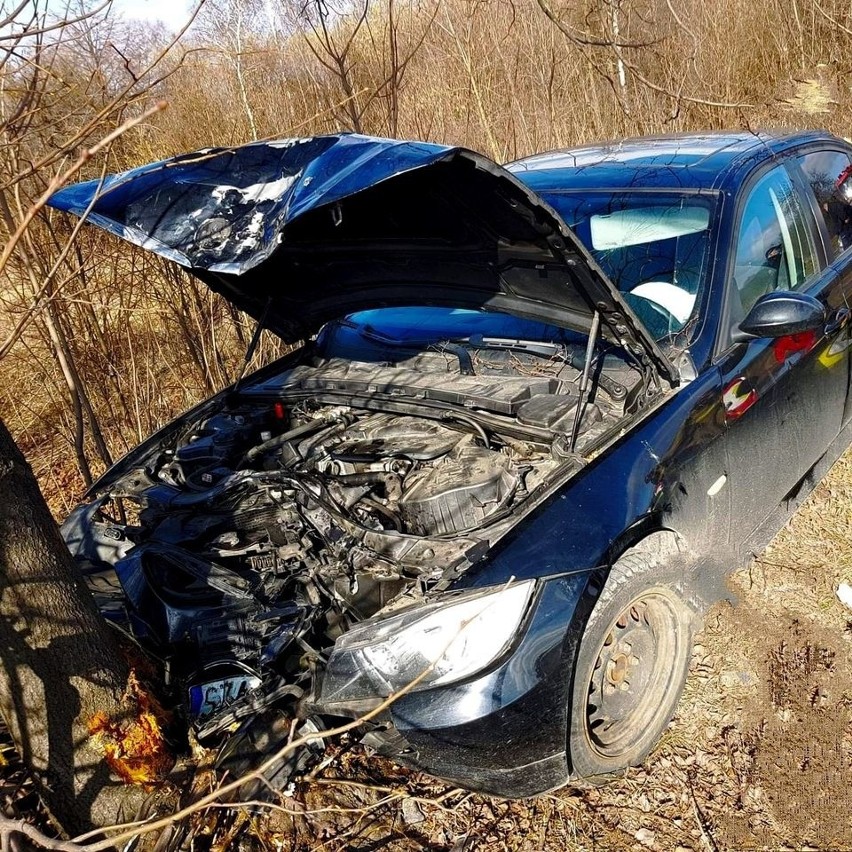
(207,698)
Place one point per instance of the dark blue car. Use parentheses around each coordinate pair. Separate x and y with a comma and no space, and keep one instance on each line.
(533,416)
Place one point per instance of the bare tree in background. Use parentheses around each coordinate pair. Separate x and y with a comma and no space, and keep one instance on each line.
(611,37)
(63,83)
(332,44)
(230,25)
(76,712)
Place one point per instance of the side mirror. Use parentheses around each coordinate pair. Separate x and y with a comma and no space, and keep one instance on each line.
(780,313)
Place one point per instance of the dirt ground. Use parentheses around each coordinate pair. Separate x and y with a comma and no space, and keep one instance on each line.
(759,755)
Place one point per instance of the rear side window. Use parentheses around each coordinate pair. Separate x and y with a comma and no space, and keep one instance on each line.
(824,169)
(775,249)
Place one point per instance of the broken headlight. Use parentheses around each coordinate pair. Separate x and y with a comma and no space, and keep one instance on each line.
(456,636)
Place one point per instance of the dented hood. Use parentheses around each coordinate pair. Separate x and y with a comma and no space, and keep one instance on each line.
(297,232)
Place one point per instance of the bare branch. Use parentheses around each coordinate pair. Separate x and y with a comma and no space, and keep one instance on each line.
(119,102)
(677,97)
(58,25)
(36,302)
(62,178)
(831,19)
(9,827)
(587,39)
(10,18)
(129,831)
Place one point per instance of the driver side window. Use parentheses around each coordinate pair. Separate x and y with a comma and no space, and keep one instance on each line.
(774,248)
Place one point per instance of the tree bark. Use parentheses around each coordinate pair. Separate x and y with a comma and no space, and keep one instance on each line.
(59,662)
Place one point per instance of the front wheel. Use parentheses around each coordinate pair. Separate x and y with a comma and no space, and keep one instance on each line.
(631,669)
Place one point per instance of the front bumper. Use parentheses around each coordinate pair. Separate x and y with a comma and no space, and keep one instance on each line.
(503,731)
(452,764)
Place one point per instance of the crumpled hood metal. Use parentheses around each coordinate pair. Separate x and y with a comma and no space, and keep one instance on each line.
(301,231)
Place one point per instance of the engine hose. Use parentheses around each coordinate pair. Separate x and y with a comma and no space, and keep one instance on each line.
(279,440)
(389,481)
(385,511)
(470,422)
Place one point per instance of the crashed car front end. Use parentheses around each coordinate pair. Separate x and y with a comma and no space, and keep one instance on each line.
(300,543)
(281,549)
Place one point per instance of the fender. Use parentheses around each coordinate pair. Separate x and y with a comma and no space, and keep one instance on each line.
(665,468)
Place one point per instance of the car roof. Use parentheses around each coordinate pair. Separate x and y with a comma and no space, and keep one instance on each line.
(713,160)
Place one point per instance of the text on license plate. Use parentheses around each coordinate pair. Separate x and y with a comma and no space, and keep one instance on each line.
(206,698)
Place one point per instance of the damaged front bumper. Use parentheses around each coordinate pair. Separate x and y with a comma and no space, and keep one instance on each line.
(494,721)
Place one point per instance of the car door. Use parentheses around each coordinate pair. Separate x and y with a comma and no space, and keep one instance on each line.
(783,404)
(822,168)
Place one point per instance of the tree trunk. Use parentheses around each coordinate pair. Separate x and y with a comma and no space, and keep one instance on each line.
(60,667)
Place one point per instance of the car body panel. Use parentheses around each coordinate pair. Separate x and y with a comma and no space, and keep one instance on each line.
(587,525)
(521,703)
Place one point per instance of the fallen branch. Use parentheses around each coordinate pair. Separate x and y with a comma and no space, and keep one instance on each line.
(127,831)
(9,827)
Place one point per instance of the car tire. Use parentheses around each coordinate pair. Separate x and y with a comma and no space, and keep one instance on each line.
(633,661)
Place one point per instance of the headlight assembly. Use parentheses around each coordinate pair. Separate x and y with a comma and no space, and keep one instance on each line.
(457,635)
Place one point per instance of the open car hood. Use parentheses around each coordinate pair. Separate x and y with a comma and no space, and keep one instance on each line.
(297,232)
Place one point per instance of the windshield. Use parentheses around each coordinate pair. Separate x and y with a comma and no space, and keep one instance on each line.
(652,245)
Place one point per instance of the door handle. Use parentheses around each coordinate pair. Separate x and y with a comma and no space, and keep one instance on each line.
(839,320)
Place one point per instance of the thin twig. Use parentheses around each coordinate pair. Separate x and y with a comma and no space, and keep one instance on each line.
(62,178)
(36,302)
(831,19)
(19,826)
(619,52)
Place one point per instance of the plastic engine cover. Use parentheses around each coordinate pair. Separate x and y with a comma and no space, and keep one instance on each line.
(458,493)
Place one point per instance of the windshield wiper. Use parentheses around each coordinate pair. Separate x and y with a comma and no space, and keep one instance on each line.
(539,348)
(533,347)
(551,350)
(452,346)
(478,341)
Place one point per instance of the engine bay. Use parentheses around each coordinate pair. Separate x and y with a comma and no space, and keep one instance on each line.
(238,548)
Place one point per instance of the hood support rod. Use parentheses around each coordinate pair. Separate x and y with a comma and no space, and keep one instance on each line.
(584,379)
(253,343)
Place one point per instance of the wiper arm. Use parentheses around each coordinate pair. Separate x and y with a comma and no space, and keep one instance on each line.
(453,347)
(457,349)
(540,348)
(533,347)
(478,341)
